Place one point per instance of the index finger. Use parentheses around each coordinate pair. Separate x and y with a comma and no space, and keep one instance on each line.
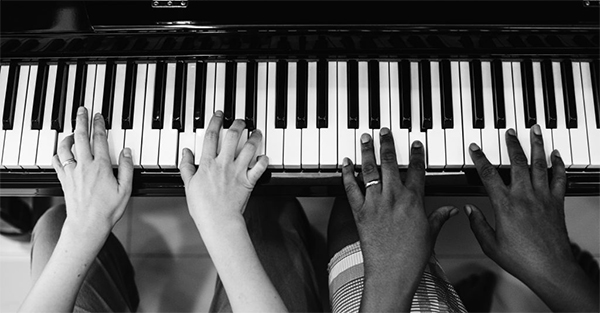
(487,172)
(81,135)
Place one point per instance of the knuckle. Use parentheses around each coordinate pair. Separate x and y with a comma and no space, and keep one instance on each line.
(418,165)
(388,156)
(487,171)
(519,159)
(540,164)
(212,135)
(369,168)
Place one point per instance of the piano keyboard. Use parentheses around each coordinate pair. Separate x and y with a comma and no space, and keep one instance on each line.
(311,112)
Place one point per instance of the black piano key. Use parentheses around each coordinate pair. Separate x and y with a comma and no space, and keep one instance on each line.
(528,93)
(10,99)
(568,83)
(446,94)
(353,94)
(477,94)
(549,96)
(498,91)
(229,108)
(302,94)
(179,98)
(39,96)
(281,86)
(404,81)
(199,96)
(251,79)
(158,109)
(322,94)
(60,97)
(595,89)
(129,95)
(79,93)
(425,86)
(374,101)
(109,92)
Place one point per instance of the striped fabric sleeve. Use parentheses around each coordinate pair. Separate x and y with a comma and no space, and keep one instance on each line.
(346,284)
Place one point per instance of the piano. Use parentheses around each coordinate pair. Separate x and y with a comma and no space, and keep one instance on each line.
(313,76)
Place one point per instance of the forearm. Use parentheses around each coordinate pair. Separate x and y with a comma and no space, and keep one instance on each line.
(57,287)
(248,287)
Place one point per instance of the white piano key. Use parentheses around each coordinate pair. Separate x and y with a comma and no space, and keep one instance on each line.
(220,96)
(436,141)
(133,136)
(593,131)
(98,96)
(240,101)
(29,137)
(523,133)
(509,105)
(346,136)
(540,111)
(384,106)
(12,145)
(363,108)
(561,137)
(455,157)
(168,136)
(401,138)
(415,109)
(274,143)
(3,85)
(67,125)
(490,143)
(116,135)
(579,136)
(187,138)
(88,100)
(310,134)
(151,144)
(292,140)
(209,105)
(261,107)
(470,134)
(328,136)
(48,136)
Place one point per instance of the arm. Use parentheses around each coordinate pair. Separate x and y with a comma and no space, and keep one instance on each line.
(217,193)
(530,238)
(95,201)
(396,236)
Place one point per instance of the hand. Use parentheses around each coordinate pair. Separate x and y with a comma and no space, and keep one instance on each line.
(221,187)
(94,198)
(396,236)
(530,238)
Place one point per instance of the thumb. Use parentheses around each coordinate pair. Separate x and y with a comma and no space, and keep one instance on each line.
(125,175)
(484,233)
(438,217)
(186,166)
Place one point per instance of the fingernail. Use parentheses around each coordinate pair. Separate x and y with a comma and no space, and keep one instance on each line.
(97,116)
(127,152)
(81,110)
(474,147)
(256,131)
(468,210)
(537,130)
(345,162)
(365,138)
(556,153)
(453,212)
(512,132)
(219,113)
(417,144)
(384,131)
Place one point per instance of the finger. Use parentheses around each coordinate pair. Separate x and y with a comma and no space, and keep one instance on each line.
(438,217)
(186,166)
(58,167)
(125,176)
(482,230)
(369,165)
(211,138)
(539,166)
(487,172)
(353,192)
(259,168)
(249,149)
(64,152)
(415,175)
(100,141)
(232,140)
(82,137)
(559,177)
(389,162)
(519,169)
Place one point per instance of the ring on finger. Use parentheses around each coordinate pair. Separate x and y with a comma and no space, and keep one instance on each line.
(69,161)
(372,183)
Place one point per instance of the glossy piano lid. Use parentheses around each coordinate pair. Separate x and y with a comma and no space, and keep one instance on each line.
(20,16)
